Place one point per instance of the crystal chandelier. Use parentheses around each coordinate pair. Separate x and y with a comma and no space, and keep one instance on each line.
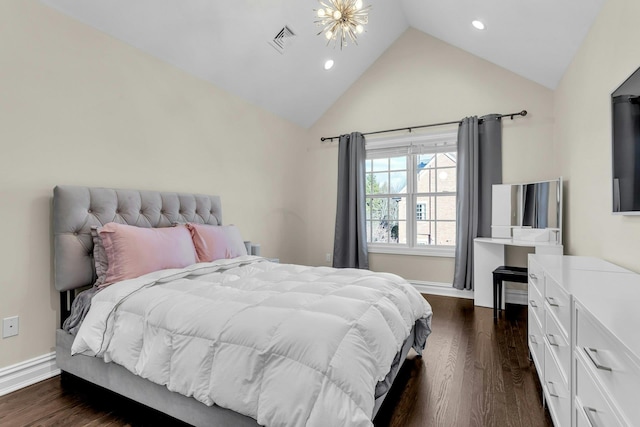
(341,20)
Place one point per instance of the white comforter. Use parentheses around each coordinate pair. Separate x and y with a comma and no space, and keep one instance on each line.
(287,345)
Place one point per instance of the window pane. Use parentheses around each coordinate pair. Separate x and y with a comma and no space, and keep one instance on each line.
(425,182)
(426,204)
(393,231)
(398,208)
(368,163)
(398,163)
(368,208)
(425,161)
(446,179)
(398,182)
(379,232)
(401,207)
(380,164)
(402,232)
(424,233)
(447,160)
(377,183)
(379,208)
(446,232)
(446,208)
(369,231)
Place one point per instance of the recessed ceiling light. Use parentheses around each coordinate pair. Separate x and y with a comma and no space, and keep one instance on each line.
(328,65)
(478,24)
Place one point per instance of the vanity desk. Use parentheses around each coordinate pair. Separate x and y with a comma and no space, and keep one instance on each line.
(489,254)
(527,215)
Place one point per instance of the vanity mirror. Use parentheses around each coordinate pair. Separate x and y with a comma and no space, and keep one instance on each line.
(528,211)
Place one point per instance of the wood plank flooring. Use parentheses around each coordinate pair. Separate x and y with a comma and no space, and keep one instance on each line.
(474,373)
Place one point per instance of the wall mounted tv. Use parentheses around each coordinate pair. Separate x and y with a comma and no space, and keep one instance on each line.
(625,109)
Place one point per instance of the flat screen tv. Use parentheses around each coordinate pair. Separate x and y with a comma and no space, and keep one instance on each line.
(625,108)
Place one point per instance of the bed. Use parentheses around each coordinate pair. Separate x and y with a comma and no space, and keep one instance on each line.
(278,399)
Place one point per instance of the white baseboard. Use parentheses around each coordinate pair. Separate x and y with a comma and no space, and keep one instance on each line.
(512,296)
(29,372)
(443,289)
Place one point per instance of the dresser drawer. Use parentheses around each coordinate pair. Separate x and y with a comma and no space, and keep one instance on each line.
(558,302)
(536,343)
(558,395)
(591,405)
(610,363)
(536,304)
(536,277)
(559,345)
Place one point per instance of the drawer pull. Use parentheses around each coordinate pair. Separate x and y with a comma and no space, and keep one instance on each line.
(552,302)
(592,353)
(533,304)
(533,276)
(533,339)
(552,340)
(590,412)
(552,389)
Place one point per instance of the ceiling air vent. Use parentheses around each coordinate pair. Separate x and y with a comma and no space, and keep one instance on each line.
(283,39)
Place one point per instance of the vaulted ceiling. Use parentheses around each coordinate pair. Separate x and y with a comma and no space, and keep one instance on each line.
(227,42)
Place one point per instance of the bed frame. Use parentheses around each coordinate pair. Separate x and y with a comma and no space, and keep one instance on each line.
(75,211)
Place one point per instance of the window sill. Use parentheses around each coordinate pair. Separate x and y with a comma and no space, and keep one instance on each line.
(434,251)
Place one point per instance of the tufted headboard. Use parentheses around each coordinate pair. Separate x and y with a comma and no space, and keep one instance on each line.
(77,209)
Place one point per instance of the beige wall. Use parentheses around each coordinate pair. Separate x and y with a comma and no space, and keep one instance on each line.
(609,54)
(420,80)
(78,107)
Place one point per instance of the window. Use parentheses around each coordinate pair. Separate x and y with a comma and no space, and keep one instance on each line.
(411,195)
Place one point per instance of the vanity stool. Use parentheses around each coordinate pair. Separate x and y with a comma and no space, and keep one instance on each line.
(509,274)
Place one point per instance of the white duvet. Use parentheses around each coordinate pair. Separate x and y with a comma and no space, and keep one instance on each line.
(288,345)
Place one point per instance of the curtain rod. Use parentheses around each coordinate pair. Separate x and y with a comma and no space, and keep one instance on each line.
(512,115)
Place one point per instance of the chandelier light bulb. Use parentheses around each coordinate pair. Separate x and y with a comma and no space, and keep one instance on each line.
(328,35)
(358,4)
(337,14)
(359,29)
(321,13)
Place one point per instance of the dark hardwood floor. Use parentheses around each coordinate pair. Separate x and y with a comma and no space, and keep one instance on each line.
(474,373)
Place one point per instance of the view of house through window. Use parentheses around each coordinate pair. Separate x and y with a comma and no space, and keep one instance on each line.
(411,195)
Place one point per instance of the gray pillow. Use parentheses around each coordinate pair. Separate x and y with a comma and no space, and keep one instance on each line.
(99,256)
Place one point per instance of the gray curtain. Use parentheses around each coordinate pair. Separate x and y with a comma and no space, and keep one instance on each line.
(479,167)
(350,242)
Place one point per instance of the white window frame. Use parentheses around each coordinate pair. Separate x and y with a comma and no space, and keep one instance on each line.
(407,145)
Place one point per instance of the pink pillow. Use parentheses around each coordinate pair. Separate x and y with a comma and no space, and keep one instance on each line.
(214,242)
(134,251)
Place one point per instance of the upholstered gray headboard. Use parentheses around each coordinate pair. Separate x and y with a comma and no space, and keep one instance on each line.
(77,209)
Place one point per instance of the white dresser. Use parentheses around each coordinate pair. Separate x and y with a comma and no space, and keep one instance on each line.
(584,339)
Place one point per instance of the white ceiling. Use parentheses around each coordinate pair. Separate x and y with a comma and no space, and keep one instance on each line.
(226,42)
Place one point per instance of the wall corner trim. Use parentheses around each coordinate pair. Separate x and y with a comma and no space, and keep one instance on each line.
(29,372)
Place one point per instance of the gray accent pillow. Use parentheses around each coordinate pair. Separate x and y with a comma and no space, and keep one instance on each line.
(99,256)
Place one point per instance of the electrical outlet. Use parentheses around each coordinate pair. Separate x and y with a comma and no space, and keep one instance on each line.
(10,326)
(327,257)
